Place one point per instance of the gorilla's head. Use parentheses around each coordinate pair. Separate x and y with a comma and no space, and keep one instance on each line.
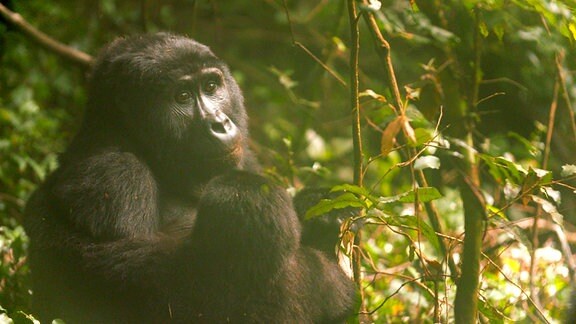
(171,100)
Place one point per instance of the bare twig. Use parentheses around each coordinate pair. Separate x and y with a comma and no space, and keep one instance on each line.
(545,158)
(44,40)
(565,94)
(551,123)
(384,52)
(354,93)
(356,132)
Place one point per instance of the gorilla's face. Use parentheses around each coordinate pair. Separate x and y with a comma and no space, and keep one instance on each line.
(199,111)
(176,101)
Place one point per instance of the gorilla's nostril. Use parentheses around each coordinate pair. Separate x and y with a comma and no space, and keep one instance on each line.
(220,123)
(227,124)
(220,128)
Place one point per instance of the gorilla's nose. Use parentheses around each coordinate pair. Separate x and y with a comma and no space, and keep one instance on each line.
(221,126)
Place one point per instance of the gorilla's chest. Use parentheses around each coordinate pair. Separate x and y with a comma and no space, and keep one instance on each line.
(177,215)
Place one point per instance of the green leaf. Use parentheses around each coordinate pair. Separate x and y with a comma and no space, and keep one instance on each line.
(502,169)
(495,211)
(425,194)
(499,31)
(572,29)
(343,201)
(483,29)
(491,313)
(38,169)
(423,136)
(533,180)
(359,191)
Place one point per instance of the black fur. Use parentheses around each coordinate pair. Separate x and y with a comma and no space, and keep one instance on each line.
(149,218)
(570,312)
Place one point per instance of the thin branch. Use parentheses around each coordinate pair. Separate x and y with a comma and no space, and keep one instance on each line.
(565,93)
(545,158)
(490,97)
(356,132)
(354,93)
(384,52)
(44,40)
(551,123)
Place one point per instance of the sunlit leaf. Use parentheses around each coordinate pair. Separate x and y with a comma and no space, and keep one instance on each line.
(533,180)
(427,162)
(549,208)
(373,5)
(370,93)
(495,211)
(555,195)
(425,194)
(359,191)
(568,170)
(572,29)
(483,29)
(412,93)
(409,131)
(422,136)
(316,148)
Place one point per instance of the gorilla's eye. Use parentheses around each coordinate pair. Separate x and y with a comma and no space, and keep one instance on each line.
(210,86)
(183,97)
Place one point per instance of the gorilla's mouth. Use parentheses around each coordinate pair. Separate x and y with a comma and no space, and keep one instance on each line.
(227,156)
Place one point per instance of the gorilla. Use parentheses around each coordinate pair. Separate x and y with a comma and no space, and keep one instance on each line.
(157,213)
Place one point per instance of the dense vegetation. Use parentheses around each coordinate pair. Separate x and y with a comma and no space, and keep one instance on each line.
(449,125)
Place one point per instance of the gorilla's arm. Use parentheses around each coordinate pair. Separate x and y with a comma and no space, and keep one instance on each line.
(108,196)
(246,242)
(242,257)
(102,210)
